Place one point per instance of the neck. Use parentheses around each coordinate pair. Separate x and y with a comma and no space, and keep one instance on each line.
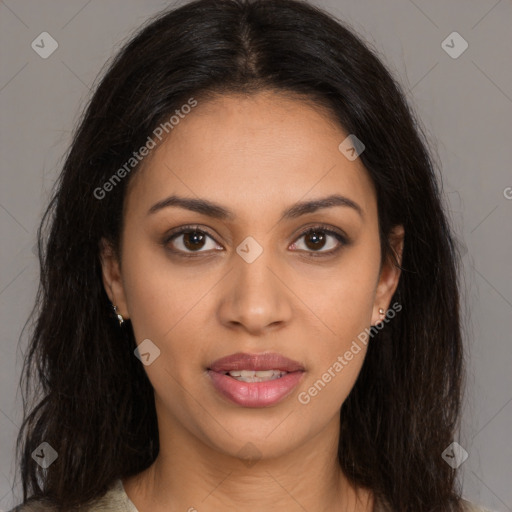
(190,475)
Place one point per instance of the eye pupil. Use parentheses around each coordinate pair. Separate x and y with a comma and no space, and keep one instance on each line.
(318,242)
(193,237)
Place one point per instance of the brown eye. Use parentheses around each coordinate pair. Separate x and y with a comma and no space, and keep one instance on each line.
(317,238)
(188,240)
(193,240)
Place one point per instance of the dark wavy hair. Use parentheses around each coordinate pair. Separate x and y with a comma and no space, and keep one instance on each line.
(93,402)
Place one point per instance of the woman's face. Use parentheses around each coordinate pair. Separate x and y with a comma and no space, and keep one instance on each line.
(250,282)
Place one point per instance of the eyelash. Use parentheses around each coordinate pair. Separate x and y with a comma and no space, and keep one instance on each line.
(342,239)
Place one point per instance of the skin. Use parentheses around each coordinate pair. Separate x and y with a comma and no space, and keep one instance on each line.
(255,155)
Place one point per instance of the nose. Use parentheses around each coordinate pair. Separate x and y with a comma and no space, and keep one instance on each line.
(255,296)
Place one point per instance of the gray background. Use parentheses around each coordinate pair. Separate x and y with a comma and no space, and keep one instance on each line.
(465,105)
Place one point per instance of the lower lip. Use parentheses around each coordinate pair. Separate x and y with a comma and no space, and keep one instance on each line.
(255,394)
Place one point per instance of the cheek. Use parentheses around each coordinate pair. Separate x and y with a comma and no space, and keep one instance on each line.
(161,305)
(344,299)
(157,293)
(345,307)
(339,351)
(166,304)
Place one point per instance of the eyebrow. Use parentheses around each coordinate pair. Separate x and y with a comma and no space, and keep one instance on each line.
(217,211)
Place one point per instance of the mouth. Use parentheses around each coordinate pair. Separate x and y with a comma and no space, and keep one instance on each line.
(255,380)
(255,375)
(268,361)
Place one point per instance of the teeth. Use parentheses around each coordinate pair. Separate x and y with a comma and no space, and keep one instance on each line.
(256,376)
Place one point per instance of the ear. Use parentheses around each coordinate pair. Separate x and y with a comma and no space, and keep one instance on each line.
(112,278)
(389,275)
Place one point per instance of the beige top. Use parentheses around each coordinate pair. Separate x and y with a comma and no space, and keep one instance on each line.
(116,500)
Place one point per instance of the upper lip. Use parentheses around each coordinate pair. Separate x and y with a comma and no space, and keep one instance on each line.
(267,361)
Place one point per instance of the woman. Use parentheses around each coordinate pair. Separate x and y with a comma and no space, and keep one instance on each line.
(249,289)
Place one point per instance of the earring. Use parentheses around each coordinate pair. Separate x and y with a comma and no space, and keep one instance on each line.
(381,312)
(119,317)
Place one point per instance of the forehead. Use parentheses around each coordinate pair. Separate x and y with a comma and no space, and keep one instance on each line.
(251,152)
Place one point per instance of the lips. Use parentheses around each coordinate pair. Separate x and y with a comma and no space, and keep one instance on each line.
(255,394)
(267,361)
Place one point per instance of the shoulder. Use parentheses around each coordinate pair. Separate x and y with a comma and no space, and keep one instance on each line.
(114,500)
